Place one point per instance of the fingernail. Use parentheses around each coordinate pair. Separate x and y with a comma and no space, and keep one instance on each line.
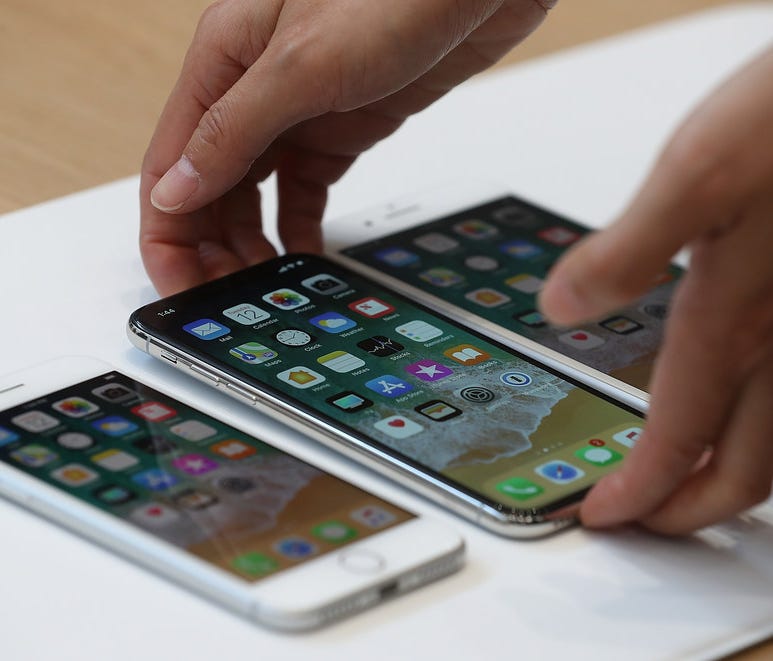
(560,302)
(176,186)
(601,507)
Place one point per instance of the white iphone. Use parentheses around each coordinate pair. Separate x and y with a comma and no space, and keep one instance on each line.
(477,250)
(209,506)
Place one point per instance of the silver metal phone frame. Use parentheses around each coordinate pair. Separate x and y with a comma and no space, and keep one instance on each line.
(521,526)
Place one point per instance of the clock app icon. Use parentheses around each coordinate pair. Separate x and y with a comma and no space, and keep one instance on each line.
(293,337)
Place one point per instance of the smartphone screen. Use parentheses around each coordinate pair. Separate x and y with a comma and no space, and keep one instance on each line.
(184,477)
(466,410)
(492,260)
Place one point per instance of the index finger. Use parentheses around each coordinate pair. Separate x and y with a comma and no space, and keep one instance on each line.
(710,165)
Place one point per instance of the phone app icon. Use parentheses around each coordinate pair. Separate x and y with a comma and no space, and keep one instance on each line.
(398,426)
(419,331)
(154,515)
(35,421)
(195,464)
(206,329)
(293,337)
(466,354)
(515,379)
(155,479)
(349,401)
(397,256)
(389,386)
(628,437)
(481,263)
(371,307)
(531,318)
(436,242)
(34,455)
(380,346)
(334,532)
(114,494)
(558,236)
(559,472)
(341,362)
(114,460)
(301,377)
(192,499)
(193,430)
(74,475)
(75,407)
(477,394)
(114,392)
(285,299)
(525,283)
(438,410)
(520,249)
(332,322)
(254,353)
(372,516)
(254,564)
(154,411)
(233,449)
(440,276)
(600,456)
(7,436)
(246,314)
(428,370)
(295,548)
(114,425)
(621,325)
(475,229)
(519,488)
(487,297)
(155,445)
(581,339)
(325,283)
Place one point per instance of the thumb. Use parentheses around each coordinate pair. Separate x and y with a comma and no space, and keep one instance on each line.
(232,133)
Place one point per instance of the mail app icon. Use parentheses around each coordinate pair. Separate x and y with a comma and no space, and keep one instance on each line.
(206,329)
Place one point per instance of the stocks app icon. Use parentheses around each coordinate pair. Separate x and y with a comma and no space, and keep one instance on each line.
(380,345)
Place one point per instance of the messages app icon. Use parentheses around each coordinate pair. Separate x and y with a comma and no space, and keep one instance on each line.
(206,329)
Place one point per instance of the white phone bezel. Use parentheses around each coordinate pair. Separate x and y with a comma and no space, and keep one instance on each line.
(411,210)
(303,597)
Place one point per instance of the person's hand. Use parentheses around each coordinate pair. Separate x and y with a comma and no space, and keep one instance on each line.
(707,449)
(300,88)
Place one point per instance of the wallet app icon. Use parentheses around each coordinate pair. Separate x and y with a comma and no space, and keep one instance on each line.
(206,329)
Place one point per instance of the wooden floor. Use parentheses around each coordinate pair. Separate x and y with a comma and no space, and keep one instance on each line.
(81,84)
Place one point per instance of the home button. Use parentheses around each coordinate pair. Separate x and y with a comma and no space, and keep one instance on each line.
(361,561)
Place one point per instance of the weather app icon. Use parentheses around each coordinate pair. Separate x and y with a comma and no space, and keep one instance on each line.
(332,322)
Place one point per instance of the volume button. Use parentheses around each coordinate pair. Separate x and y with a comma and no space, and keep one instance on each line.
(168,356)
(198,371)
(241,392)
